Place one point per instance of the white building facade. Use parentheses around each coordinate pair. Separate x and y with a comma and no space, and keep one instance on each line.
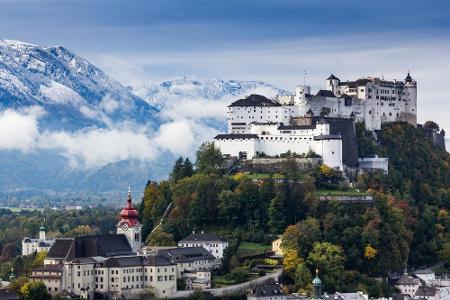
(276,138)
(30,245)
(105,265)
(213,243)
(371,100)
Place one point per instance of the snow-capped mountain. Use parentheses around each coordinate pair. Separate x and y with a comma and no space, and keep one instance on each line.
(211,89)
(76,92)
(67,127)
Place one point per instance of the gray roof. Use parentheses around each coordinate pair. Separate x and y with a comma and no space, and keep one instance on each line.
(332,77)
(50,268)
(186,254)
(255,100)
(8,295)
(327,137)
(425,290)
(267,290)
(60,248)
(232,136)
(203,237)
(405,279)
(296,127)
(130,261)
(325,93)
(424,271)
(354,84)
(84,247)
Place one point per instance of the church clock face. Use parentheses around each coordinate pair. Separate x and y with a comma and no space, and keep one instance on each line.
(125,227)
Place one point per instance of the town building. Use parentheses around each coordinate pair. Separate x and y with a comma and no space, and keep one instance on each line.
(215,244)
(423,284)
(129,225)
(31,245)
(408,285)
(104,265)
(270,291)
(193,264)
(276,247)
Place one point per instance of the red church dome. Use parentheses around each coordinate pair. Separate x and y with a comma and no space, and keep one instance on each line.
(129,214)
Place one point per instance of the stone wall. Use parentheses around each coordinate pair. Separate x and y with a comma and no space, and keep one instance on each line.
(270,165)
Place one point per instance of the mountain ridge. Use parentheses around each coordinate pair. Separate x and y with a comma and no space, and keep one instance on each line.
(81,103)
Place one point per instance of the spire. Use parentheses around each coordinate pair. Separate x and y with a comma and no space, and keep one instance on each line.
(408,77)
(129,200)
(129,214)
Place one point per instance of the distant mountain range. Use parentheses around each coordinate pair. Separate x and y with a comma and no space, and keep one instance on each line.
(77,100)
(211,89)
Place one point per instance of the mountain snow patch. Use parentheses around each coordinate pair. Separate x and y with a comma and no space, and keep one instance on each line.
(59,93)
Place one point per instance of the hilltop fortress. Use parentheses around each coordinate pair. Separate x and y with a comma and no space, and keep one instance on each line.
(322,123)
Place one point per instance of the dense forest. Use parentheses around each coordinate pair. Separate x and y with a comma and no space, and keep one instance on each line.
(407,225)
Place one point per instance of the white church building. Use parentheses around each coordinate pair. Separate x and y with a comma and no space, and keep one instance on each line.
(32,245)
(259,125)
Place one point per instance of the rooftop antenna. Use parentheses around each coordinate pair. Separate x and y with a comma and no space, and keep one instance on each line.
(304,78)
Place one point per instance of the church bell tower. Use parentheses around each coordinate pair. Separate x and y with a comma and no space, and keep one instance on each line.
(129,224)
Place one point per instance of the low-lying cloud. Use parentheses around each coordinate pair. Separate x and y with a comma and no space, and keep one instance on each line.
(95,147)
(19,129)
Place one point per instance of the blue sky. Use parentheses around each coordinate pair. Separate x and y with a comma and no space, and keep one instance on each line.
(138,42)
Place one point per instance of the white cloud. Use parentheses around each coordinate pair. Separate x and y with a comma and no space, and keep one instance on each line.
(122,70)
(108,104)
(19,129)
(182,137)
(95,147)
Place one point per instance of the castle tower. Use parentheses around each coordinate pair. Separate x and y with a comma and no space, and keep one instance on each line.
(411,100)
(129,224)
(300,95)
(333,83)
(317,287)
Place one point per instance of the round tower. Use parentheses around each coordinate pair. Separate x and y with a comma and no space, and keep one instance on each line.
(411,100)
(300,94)
(129,224)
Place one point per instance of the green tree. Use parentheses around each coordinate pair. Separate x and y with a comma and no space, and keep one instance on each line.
(16,284)
(303,279)
(329,259)
(161,238)
(35,290)
(277,221)
(209,158)
(177,170)
(230,208)
(290,261)
(444,253)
